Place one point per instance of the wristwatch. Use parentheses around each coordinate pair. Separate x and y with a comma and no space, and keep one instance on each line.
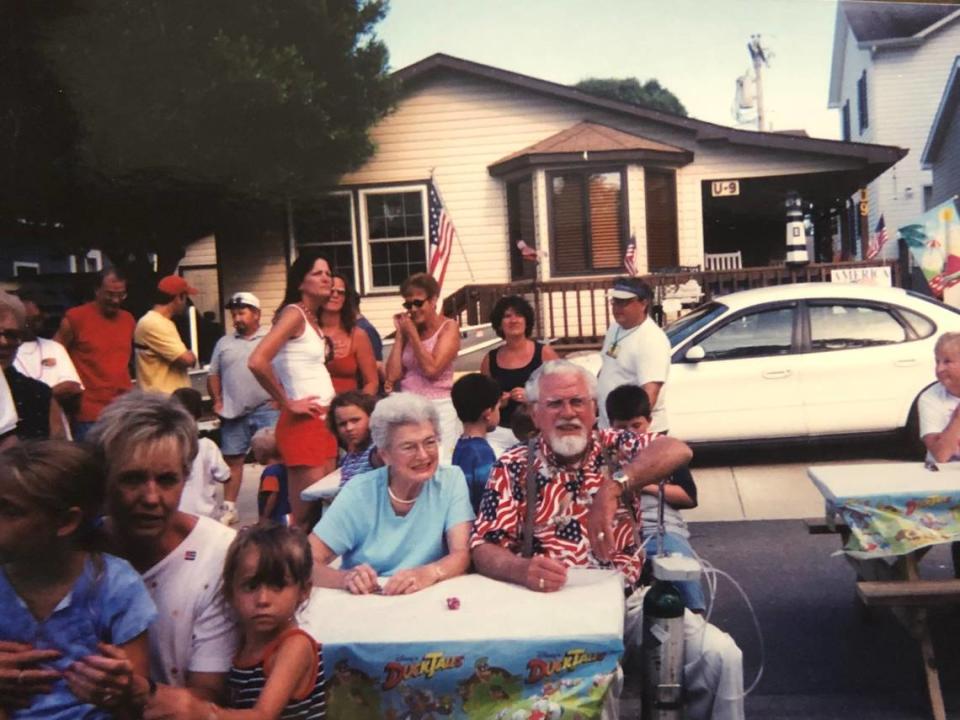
(621,479)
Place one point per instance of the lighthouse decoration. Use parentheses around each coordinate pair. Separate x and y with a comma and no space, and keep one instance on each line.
(797,255)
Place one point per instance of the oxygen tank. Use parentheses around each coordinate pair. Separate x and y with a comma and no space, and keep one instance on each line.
(662,652)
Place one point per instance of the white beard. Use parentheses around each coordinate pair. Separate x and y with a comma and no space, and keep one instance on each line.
(568,446)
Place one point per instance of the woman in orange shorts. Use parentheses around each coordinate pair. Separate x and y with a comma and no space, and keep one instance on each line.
(290,364)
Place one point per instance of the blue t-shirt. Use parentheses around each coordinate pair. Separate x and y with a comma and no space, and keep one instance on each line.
(475,457)
(362,527)
(104,605)
(278,485)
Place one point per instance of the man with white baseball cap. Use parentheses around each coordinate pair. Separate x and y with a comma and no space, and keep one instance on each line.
(242,404)
(635,350)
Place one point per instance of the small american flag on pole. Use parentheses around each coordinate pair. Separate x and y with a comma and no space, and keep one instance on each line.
(877,240)
(630,257)
(442,235)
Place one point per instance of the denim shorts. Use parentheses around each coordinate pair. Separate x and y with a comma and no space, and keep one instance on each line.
(235,434)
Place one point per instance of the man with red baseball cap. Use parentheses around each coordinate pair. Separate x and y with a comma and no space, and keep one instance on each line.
(162,358)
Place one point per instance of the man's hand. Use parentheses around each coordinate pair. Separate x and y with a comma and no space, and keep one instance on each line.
(20,678)
(218,407)
(545,575)
(600,520)
(360,580)
(172,703)
(105,680)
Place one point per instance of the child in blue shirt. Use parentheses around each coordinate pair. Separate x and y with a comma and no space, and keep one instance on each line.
(58,595)
(476,399)
(273,503)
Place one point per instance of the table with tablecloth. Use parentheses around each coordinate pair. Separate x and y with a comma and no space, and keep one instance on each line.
(472,647)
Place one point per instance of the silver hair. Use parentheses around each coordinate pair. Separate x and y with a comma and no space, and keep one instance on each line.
(140,418)
(13,305)
(402,408)
(558,367)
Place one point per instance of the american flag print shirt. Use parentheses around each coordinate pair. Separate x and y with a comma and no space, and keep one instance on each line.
(563,501)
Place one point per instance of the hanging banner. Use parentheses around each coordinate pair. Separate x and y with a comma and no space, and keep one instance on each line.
(934,242)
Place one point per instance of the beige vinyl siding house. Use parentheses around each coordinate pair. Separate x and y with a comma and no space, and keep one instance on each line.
(479,131)
(941,156)
(899,56)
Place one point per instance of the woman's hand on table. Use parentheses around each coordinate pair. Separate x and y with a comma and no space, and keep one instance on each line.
(308,406)
(545,574)
(20,676)
(360,580)
(409,581)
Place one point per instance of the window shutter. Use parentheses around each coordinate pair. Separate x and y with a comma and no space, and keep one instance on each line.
(606,250)
(569,246)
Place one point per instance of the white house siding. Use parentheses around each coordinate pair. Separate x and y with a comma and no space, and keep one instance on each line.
(201,252)
(457,126)
(903,91)
(946,169)
(258,267)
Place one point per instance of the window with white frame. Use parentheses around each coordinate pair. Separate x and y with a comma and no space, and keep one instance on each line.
(326,224)
(394,222)
(25,269)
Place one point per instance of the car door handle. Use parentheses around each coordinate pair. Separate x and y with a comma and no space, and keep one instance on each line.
(776,374)
(905,363)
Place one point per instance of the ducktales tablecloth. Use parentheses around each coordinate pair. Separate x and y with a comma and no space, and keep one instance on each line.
(892,508)
(505,652)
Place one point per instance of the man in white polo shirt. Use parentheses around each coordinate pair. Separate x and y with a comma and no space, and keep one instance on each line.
(635,350)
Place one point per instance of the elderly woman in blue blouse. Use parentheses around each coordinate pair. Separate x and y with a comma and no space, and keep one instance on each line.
(408,521)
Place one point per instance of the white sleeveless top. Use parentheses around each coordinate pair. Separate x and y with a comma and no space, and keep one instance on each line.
(300,365)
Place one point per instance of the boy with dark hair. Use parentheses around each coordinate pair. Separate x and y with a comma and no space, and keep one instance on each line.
(628,408)
(476,398)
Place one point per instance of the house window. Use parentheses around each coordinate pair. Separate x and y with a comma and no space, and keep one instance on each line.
(864,118)
(395,231)
(327,225)
(586,221)
(927,197)
(521,223)
(846,120)
(25,269)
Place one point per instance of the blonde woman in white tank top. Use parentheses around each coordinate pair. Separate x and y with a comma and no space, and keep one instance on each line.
(290,365)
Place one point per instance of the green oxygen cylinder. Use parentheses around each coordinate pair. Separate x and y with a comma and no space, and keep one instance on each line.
(663,652)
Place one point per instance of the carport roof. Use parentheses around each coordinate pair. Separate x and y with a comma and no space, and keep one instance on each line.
(874,158)
(592,141)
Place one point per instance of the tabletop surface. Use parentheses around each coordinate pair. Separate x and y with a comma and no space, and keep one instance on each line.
(837,482)
(591,605)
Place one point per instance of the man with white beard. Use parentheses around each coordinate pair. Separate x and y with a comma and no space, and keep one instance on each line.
(580,521)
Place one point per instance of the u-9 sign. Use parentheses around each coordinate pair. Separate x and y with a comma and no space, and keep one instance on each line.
(724,188)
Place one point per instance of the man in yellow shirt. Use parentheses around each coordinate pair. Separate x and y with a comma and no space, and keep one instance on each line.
(162,358)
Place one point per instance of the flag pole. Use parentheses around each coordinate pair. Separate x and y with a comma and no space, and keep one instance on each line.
(456,235)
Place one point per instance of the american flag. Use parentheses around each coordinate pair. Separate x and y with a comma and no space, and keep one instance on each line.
(442,235)
(877,240)
(630,258)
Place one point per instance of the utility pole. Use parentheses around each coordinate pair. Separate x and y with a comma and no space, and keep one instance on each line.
(759,56)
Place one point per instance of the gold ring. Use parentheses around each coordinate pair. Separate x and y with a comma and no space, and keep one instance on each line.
(541,583)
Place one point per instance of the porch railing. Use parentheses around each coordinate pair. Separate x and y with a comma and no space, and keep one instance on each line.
(576,311)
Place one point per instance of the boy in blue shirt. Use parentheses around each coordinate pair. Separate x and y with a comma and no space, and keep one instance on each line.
(476,399)
(273,504)
(628,408)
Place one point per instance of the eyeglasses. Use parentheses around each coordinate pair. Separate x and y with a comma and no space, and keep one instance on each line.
(411,304)
(113,295)
(429,446)
(576,403)
(337,291)
(13,337)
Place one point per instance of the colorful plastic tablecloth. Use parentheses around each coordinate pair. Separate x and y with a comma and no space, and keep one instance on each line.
(504,652)
(892,508)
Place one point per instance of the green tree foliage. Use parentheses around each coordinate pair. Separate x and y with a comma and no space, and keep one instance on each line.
(189,114)
(650,94)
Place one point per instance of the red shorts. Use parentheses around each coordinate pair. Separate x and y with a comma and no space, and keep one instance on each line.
(304,440)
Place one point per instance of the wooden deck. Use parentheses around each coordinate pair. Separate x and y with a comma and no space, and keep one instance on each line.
(576,312)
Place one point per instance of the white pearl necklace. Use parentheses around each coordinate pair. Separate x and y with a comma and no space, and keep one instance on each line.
(398,500)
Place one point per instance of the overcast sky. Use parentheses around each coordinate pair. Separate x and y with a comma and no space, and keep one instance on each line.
(695,48)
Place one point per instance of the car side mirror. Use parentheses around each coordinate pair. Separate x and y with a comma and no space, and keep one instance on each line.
(695,354)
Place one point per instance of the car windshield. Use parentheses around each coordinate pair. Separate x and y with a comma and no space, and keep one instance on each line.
(686,326)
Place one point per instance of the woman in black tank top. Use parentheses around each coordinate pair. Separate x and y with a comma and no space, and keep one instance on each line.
(512,363)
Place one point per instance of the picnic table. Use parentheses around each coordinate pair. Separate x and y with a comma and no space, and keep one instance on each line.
(889,515)
(472,647)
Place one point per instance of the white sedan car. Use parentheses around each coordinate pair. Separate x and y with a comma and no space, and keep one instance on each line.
(804,360)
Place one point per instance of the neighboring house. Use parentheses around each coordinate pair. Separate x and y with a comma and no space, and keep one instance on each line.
(23,255)
(890,63)
(574,176)
(941,155)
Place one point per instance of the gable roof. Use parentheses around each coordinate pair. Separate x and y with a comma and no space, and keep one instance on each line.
(699,131)
(587,139)
(879,25)
(946,113)
(877,21)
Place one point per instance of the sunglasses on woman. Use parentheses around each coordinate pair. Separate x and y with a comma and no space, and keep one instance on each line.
(411,304)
